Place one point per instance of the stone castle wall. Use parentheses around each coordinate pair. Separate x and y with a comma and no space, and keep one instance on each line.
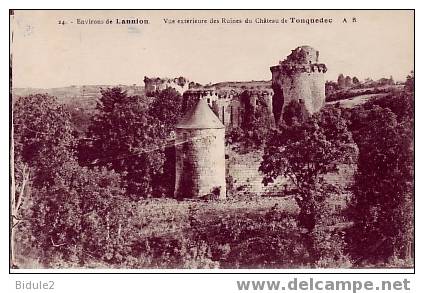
(200,163)
(247,179)
(244,171)
(231,108)
(300,77)
(154,85)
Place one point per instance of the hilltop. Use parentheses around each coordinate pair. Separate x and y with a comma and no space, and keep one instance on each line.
(84,96)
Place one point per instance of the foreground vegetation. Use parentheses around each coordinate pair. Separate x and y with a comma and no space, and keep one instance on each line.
(97,200)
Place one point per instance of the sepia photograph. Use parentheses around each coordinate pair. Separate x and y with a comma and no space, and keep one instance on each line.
(211,139)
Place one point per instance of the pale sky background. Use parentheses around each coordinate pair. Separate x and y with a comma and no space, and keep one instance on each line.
(46,54)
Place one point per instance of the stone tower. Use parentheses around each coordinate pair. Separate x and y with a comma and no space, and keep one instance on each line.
(200,154)
(300,77)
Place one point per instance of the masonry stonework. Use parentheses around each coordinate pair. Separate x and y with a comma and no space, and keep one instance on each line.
(243,168)
(154,85)
(231,105)
(300,78)
(200,163)
(200,155)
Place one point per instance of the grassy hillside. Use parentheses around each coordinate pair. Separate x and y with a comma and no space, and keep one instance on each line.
(82,96)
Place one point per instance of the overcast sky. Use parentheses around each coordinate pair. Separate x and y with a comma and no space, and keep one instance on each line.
(47,54)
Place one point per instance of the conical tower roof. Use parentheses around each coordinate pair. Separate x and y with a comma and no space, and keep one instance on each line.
(200,117)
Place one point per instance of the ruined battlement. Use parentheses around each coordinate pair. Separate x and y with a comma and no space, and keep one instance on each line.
(226,93)
(200,134)
(290,68)
(302,55)
(156,84)
(230,105)
(299,77)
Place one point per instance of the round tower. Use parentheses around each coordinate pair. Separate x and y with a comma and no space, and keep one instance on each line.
(300,78)
(200,154)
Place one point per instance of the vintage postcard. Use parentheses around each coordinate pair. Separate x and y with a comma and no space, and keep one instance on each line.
(219,139)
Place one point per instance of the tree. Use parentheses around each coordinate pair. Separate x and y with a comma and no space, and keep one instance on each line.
(382,209)
(80,217)
(410,82)
(254,126)
(348,81)
(304,153)
(330,88)
(56,193)
(167,108)
(181,81)
(42,128)
(355,80)
(294,113)
(341,81)
(126,139)
(41,142)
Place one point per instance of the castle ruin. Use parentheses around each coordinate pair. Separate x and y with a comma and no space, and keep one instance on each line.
(300,77)
(232,105)
(200,135)
(154,85)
